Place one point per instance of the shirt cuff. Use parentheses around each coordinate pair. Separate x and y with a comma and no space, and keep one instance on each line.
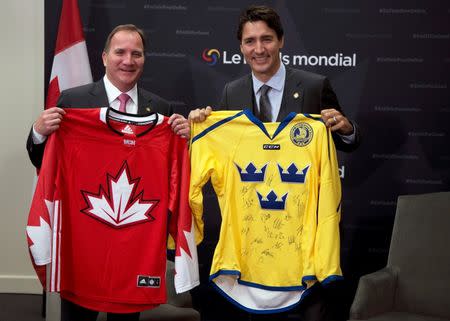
(349,139)
(37,138)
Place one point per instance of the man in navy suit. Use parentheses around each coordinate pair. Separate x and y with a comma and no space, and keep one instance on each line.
(123,58)
(261,38)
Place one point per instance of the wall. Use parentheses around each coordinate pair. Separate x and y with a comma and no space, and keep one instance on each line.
(21,88)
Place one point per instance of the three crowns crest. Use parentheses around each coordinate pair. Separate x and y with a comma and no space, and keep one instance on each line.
(270,201)
(291,176)
(251,173)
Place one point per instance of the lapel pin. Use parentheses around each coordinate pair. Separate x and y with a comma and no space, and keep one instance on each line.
(296,95)
(148,109)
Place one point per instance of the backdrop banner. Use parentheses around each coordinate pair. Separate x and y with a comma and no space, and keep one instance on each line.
(388,62)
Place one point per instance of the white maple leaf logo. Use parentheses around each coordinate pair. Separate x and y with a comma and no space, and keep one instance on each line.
(41,236)
(118,206)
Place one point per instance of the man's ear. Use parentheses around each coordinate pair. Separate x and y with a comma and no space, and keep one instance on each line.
(104,56)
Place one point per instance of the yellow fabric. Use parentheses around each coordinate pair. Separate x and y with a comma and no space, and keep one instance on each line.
(274,248)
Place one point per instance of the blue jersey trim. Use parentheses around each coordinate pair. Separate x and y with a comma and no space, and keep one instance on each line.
(284,123)
(306,291)
(332,278)
(240,306)
(318,118)
(273,288)
(214,126)
(260,124)
(261,286)
(256,121)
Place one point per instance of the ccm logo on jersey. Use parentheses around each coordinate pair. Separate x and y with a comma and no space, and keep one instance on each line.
(129,142)
(271,146)
(145,281)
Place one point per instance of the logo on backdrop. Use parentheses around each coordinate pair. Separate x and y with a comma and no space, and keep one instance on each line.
(214,56)
(211,56)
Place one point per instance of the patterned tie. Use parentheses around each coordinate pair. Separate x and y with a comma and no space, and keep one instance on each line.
(123,98)
(265,114)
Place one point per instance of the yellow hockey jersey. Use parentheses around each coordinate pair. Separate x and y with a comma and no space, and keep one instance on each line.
(279,193)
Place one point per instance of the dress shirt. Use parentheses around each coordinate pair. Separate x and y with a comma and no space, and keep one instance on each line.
(276,95)
(113,94)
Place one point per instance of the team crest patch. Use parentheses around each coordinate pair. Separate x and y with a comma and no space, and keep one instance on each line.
(301,134)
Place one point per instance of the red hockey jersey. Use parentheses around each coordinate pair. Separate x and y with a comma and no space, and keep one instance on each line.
(111,188)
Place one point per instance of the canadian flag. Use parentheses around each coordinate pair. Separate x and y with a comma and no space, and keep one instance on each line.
(71,63)
(70,69)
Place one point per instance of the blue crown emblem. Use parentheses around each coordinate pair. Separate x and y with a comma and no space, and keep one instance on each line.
(272,203)
(251,174)
(291,175)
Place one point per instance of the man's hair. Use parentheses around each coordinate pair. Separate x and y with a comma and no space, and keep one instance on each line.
(260,13)
(127,27)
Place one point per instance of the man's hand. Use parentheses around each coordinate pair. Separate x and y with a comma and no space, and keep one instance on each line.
(180,125)
(199,115)
(337,122)
(49,121)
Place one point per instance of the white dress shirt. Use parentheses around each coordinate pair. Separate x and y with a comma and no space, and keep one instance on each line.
(112,93)
(275,94)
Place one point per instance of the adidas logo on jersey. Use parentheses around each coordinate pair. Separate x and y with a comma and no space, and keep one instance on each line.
(144,281)
(127,130)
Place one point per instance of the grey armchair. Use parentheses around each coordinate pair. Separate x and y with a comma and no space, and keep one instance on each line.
(415,284)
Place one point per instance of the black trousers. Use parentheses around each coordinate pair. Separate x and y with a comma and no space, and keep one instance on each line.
(73,312)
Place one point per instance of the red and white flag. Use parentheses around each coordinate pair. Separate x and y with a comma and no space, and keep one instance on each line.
(71,63)
(70,69)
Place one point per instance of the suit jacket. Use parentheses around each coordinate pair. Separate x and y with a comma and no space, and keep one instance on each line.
(94,95)
(304,92)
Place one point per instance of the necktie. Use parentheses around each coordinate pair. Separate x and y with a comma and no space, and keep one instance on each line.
(123,98)
(265,114)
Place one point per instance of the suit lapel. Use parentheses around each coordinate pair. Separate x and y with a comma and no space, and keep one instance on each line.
(99,98)
(248,95)
(292,100)
(144,104)
(98,95)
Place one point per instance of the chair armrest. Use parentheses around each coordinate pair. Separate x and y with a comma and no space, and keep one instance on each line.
(375,294)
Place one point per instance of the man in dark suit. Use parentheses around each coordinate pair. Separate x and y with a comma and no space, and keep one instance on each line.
(272,91)
(123,58)
(261,38)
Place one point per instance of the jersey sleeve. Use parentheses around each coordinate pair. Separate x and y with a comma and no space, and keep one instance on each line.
(41,218)
(182,226)
(327,243)
(203,165)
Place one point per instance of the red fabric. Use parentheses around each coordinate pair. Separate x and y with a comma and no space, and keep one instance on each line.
(85,163)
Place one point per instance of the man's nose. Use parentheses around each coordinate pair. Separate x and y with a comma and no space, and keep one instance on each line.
(259,47)
(128,59)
